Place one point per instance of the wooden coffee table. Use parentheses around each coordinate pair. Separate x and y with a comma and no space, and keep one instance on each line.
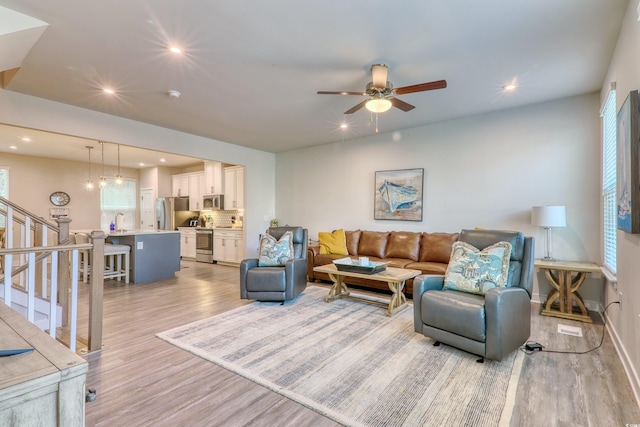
(394,277)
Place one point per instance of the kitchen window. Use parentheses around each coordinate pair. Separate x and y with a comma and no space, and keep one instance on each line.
(118,199)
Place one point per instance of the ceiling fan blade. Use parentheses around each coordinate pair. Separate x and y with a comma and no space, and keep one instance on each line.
(357,107)
(404,106)
(379,75)
(324,92)
(438,84)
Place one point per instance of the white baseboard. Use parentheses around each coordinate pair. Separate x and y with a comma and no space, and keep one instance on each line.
(591,305)
(632,374)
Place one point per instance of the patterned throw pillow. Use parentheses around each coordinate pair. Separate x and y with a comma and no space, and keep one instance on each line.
(476,271)
(274,252)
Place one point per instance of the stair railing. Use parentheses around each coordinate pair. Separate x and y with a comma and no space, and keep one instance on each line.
(60,285)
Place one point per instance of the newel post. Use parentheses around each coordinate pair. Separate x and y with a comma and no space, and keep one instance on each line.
(64,270)
(96,290)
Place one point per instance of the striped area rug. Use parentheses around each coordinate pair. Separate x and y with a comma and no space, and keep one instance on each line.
(349,361)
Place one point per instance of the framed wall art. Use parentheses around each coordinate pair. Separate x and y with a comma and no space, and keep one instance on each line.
(398,194)
(628,182)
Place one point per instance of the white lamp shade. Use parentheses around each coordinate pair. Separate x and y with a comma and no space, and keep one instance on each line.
(549,216)
(378,105)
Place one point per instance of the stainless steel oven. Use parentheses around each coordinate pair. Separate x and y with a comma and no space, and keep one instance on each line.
(204,245)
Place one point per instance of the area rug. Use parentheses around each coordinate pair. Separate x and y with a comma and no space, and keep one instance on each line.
(350,362)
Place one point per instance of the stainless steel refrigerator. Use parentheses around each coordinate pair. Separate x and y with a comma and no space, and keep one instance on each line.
(172,212)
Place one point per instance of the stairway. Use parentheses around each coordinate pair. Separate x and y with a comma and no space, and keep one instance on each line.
(41,314)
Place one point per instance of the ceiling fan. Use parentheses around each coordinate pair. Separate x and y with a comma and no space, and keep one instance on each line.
(382,94)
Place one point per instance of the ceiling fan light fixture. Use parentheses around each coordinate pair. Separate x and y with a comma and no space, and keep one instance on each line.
(378,105)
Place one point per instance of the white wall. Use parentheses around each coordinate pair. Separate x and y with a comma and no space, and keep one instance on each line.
(481,171)
(27,111)
(624,324)
(33,179)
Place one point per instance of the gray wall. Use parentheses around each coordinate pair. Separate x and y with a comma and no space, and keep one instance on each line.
(481,171)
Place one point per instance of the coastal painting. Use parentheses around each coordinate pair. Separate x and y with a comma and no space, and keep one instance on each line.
(628,189)
(398,194)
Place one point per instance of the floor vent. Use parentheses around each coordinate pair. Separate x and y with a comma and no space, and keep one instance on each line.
(570,330)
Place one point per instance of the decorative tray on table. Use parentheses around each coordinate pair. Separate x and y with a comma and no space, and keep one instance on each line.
(354,266)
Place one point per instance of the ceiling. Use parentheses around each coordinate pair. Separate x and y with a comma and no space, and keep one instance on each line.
(250,70)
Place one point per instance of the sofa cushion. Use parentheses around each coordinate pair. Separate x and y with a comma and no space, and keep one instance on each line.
(436,247)
(428,267)
(353,239)
(469,320)
(275,252)
(476,271)
(333,242)
(403,244)
(373,243)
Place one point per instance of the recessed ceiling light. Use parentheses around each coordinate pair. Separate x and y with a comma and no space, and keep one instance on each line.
(13,147)
(141,164)
(175,49)
(163,160)
(509,86)
(343,126)
(109,91)
(26,139)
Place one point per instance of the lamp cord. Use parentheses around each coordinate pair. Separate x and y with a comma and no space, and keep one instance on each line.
(541,347)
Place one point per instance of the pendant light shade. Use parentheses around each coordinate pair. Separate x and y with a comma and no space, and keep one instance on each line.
(119,179)
(103,179)
(89,184)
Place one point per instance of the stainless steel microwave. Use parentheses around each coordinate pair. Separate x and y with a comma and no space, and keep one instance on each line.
(213,202)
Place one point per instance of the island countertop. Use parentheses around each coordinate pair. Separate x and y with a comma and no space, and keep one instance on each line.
(128,232)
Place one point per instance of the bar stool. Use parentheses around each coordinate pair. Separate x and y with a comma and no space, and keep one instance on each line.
(113,260)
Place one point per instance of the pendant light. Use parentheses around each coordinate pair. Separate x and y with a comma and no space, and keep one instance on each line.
(103,179)
(119,180)
(89,184)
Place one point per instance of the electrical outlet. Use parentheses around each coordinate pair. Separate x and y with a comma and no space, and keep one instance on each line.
(140,246)
(620,299)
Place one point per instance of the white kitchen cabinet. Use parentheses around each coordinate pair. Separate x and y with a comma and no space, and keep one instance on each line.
(233,187)
(180,185)
(187,242)
(228,246)
(213,178)
(196,183)
(191,185)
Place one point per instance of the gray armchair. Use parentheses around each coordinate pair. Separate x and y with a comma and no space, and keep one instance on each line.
(277,283)
(491,325)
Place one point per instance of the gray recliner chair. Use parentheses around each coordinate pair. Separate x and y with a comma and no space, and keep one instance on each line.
(491,325)
(277,283)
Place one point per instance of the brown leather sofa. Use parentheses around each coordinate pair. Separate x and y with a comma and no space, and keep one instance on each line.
(427,252)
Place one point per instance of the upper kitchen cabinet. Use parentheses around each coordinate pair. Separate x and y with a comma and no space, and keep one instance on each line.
(196,183)
(180,185)
(191,185)
(234,187)
(213,178)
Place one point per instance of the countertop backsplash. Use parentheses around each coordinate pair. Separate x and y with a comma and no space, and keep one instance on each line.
(215,219)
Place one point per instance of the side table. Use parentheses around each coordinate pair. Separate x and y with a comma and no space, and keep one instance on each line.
(566,277)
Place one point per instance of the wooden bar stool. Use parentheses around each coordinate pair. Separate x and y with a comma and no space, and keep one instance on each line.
(114,255)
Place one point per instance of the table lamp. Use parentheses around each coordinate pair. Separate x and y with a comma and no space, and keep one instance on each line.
(547,217)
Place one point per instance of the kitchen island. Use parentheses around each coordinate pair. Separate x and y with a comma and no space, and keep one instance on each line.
(155,254)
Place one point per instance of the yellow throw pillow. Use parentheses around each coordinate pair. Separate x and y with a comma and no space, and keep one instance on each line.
(333,243)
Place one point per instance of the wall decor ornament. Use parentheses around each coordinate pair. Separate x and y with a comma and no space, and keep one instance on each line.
(628,179)
(398,194)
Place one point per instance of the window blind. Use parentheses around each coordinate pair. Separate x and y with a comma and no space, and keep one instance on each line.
(609,126)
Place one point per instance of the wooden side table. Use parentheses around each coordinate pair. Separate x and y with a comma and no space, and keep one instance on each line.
(566,277)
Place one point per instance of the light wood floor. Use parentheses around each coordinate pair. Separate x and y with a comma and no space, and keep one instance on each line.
(142,381)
